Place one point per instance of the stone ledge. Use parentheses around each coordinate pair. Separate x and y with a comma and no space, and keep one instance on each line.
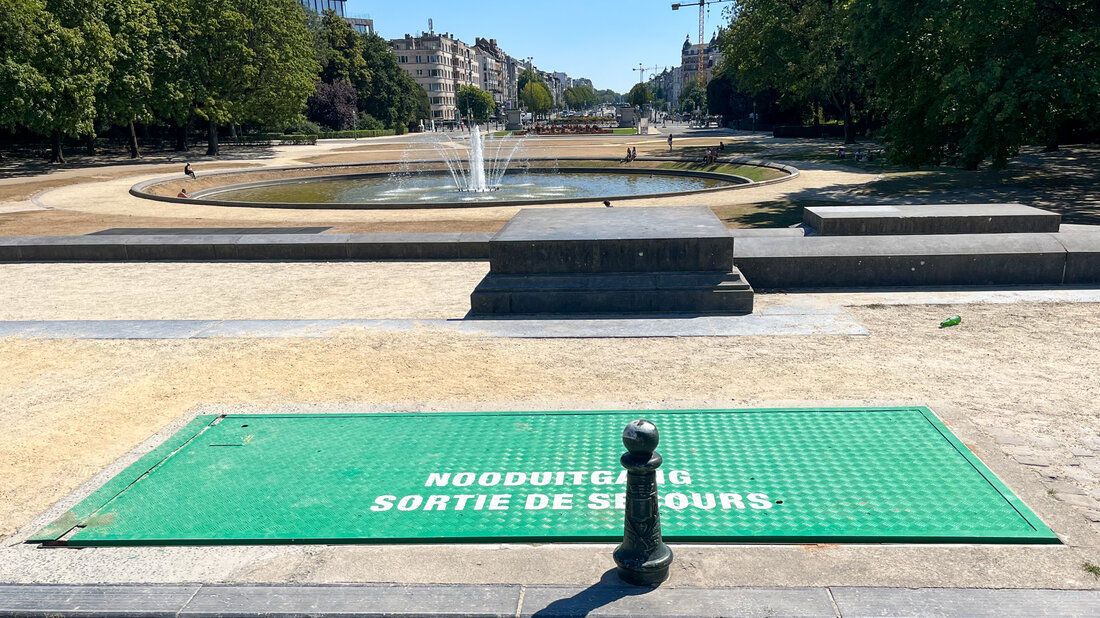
(876,220)
(868,261)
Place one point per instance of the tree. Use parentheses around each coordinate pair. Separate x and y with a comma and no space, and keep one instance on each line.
(56,55)
(639,95)
(967,81)
(608,96)
(475,103)
(528,76)
(580,97)
(724,98)
(806,49)
(334,105)
(536,98)
(239,60)
(395,98)
(692,98)
(341,53)
(135,35)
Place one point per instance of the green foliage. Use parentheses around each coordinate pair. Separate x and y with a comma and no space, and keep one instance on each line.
(528,76)
(966,81)
(367,122)
(340,51)
(725,98)
(474,103)
(639,95)
(580,97)
(395,98)
(137,40)
(608,96)
(806,49)
(55,58)
(692,98)
(536,98)
(237,60)
(358,133)
(304,126)
(950,82)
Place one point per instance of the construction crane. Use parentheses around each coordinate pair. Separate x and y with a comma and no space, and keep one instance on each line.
(702,4)
(641,71)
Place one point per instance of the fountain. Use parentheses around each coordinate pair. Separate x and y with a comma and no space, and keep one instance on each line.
(473,177)
(469,172)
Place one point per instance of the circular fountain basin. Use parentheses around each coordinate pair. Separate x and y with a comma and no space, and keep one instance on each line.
(422,187)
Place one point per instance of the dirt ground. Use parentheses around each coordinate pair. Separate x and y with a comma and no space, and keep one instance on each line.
(71,407)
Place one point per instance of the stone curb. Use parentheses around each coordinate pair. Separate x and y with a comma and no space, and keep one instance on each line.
(608,598)
(140,189)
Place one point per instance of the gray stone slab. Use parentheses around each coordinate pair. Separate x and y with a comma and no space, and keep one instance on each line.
(580,240)
(929,219)
(868,261)
(711,292)
(171,247)
(856,602)
(428,246)
(29,600)
(609,600)
(1082,257)
(292,247)
(358,600)
(768,231)
(816,322)
(105,329)
(205,231)
(68,248)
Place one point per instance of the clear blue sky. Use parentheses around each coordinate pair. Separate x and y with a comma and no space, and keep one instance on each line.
(602,41)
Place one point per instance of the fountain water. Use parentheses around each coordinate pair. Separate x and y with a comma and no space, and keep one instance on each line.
(485,167)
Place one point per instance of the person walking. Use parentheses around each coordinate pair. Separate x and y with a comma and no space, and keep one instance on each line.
(670,142)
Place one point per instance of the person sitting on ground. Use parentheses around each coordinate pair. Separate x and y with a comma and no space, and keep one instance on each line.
(670,142)
(721,146)
(183,193)
(634,153)
(607,203)
(627,159)
(187,170)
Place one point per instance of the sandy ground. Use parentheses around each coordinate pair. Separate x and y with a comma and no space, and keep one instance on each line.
(70,408)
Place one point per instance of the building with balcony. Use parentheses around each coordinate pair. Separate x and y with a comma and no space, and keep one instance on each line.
(689,60)
(440,63)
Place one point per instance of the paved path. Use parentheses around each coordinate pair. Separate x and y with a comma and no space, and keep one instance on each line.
(606,599)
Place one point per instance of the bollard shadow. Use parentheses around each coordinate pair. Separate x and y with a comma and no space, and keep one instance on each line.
(608,590)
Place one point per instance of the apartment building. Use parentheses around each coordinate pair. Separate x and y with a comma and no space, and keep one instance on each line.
(440,63)
(689,60)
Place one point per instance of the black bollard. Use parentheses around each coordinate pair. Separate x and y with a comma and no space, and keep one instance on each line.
(642,558)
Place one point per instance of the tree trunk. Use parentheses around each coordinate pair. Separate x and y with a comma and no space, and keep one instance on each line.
(849,130)
(57,155)
(134,152)
(212,140)
(181,136)
(89,144)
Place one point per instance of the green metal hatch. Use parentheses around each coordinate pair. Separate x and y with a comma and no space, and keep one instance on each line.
(807,475)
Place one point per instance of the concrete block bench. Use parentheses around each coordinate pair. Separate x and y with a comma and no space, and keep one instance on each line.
(929,219)
(865,261)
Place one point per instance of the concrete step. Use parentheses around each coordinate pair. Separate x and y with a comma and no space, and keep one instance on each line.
(875,220)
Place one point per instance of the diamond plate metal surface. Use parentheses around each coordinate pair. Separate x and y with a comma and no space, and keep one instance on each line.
(814,475)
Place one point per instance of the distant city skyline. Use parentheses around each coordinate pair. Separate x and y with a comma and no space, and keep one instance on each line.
(599,41)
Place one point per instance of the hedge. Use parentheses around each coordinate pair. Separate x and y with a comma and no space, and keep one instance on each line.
(360,133)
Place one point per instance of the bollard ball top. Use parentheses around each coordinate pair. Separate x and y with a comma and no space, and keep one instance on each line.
(640,437)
